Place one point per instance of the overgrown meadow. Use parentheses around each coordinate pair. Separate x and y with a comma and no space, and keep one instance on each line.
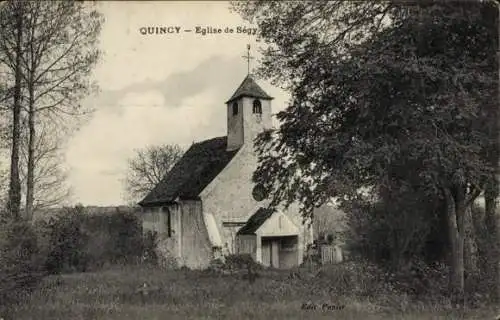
(183,294)
(100,266)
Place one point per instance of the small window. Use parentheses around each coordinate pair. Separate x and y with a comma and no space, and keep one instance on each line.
(257,107)
(235,108)
(168,221)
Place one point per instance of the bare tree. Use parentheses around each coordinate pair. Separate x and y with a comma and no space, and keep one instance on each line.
(148,167)
(48,53)
(50,179)
(60,54)
(11,40)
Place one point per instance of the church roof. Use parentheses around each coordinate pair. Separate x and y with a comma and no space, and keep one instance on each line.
(256,221)
(249,88)
(201,163)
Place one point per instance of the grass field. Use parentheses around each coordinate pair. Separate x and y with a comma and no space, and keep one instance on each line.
(112,294)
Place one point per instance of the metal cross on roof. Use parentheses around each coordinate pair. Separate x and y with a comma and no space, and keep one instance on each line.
(248,57)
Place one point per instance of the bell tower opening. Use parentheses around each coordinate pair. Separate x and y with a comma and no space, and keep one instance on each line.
(235,108)
(248,111)
(248,114)
(257,106)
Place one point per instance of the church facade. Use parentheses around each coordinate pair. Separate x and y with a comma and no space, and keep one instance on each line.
(207,206)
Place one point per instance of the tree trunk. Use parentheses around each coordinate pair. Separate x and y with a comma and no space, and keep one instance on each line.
(14,203)
(470,246)
(455,213)
(492,255)
(482,241)
(31,67)
(492,216)
(30,181)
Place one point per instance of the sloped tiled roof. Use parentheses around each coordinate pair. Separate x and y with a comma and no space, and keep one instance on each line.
(249,88)
(256,221)
(201,163)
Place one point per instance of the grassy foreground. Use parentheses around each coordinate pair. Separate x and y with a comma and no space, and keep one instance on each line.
(112,294)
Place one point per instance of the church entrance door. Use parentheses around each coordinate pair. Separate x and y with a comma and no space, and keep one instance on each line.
(270,252)
(266,252)
(280,252)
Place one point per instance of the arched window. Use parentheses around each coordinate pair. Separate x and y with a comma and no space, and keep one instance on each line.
(235,108)
(257,107)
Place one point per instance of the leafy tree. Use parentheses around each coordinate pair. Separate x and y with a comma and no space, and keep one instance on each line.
(491,193)
(403,104)
(148,167)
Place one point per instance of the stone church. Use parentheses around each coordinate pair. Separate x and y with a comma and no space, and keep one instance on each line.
(207,206)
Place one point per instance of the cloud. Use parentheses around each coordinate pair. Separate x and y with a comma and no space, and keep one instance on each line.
(147,114)
(184,108)
(216,73)
(131,57)
(155,90)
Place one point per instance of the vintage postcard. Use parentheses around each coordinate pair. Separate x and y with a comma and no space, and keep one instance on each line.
(249,159)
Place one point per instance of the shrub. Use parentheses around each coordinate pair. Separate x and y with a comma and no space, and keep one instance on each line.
(355,278)
(78,241)
(394,233)
(480,277)
(421,280)
(157,252)
(21,265)
(234,262)
(216,266)
(114,238)
(149,243)
(67,243)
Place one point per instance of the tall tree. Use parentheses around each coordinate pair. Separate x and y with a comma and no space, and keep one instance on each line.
(57,50)
(60,52)
(11,46)
(492,213)
(148,167)
(401,104)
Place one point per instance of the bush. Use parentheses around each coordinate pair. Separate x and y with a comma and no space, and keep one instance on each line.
(149,249)
(393,233)
(78,241)
(354,278)
(234,262)
(67,241)
(421,282)
(21,265)
(239,264)
(480,277)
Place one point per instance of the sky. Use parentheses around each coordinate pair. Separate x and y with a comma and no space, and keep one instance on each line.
(156,89)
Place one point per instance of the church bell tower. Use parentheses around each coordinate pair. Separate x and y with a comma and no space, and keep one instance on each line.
(248,112)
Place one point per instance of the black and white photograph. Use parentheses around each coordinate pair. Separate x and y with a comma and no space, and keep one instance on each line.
(249,160)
